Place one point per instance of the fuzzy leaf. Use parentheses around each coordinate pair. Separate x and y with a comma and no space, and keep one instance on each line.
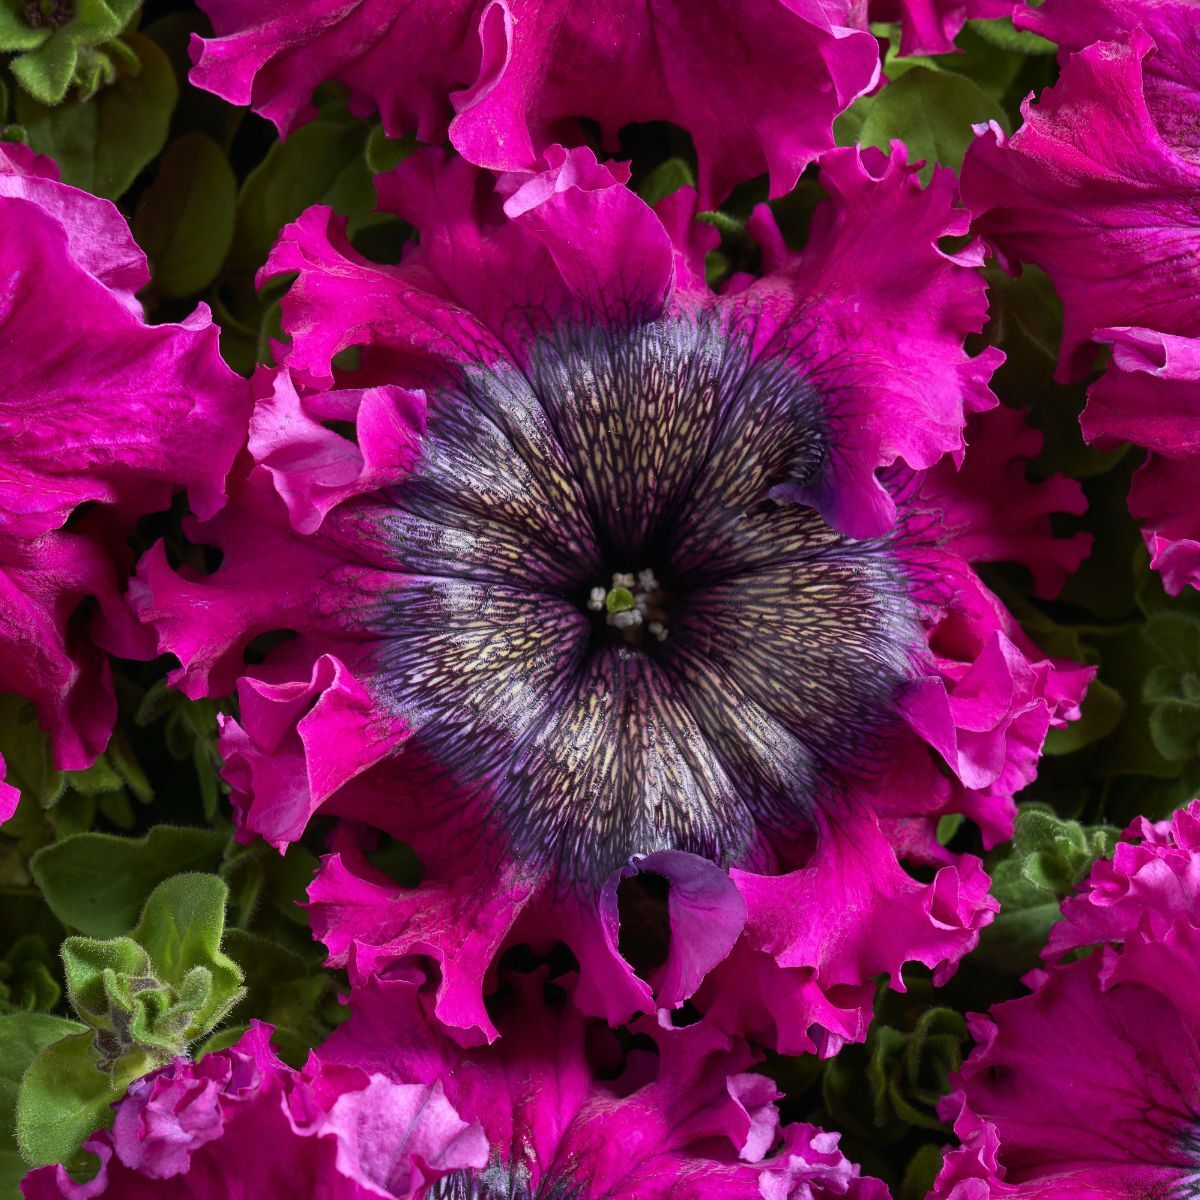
(102,143)
(908,1071)
(98,884)
(22,1037)
(1001,34)
(181,928)
(1045,860)
(58,54)
(64,1097)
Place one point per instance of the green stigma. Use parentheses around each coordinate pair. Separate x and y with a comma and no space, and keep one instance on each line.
(619,599)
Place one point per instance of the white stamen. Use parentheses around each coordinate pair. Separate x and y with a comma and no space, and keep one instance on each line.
(658,629)
(621,579)
(596,599)
(646,580)
(625,619)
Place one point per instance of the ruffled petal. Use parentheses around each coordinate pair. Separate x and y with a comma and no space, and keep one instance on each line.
(315,469)
(981,530)
(505,79)
(1085,1087)
(1171,76)
(1089,190)
(103,409)
(239,1121)
(564,1107)
(298,744)
(106,408)
(882,335)
(816,936)
(930,26)
(9,796)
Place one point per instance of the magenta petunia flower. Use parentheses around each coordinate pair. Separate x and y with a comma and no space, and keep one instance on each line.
(1086,1089)
(102,418)
(757,85)
(1098,188)
(570,1110)
(240,1122)
(612,595)
(930,26)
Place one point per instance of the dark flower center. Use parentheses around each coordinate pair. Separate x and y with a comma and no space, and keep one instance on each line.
(499,1182)
(621,629)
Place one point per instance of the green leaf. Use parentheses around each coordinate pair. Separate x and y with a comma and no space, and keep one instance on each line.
(185,220)
(908,1071)
(922,1170)
(27,981)
(930,111)
(1001,34)
(985,64)
(666,178)
(385,154)
(26,752)
(22,1037)
(16,33)
(63,1097)
(60,52)
(1045,860)
(94,969)
(299,998)
(1106,580)
(1100,714)
(1172,689)
(323,162)
(1126,660)
(101,144)
(181,928)
(98,884)
(197,110)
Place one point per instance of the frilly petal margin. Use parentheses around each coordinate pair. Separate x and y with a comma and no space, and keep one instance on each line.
(1085,1087)
(240,1120)
(930,26)
(883,339)
(685,1114)
(1091,191)
(104,409)
(505,79)
(1171,77)
(904,391)
(802,976)
(1150,396)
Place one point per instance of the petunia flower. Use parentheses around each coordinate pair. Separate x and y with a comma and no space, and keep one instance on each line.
(241,1122)
(757,85)
(1098,188)
(569,1109)
(1086,1088)
(102,418)
(611,595)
